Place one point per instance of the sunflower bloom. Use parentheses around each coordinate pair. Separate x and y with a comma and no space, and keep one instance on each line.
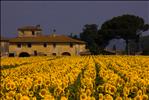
(138,98)
(83,96)
(47,83)
(139,93)
(112,90)
(34,98)
(10,95)
(88,92)
(108,97)
(101,96)
(63,98)
(18,96)
(25,98)
(43,92)
(31,93)
(145,97)
(118,98)
(8,86)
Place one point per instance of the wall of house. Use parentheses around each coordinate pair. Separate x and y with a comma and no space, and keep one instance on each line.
(28,33)
(49,50)
(4,48)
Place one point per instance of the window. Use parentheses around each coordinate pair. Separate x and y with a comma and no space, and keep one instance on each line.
(19,45)
(54,54)
(54,45)
(33,33)
(29,45)
(71,45)
(45,44)
(11,55)
(35,53)
(86,47)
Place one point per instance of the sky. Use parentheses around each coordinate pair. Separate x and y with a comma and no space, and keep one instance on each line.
(65,16)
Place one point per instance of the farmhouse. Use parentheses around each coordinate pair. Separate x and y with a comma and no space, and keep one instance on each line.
(31,42)
(4,46)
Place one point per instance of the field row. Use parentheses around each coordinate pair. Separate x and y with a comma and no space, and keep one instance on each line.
(75,78)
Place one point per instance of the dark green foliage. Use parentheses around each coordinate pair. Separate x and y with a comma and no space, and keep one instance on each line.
(125,26)
(90,35)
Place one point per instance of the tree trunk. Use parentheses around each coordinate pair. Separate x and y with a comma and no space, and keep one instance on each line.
(127,48)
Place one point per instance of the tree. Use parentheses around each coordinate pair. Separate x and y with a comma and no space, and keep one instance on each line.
(74,36)
(89,35)
(125,26)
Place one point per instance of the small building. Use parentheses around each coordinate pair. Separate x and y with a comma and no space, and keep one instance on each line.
(31,42)
(4,46)
(145,44)
(116,46)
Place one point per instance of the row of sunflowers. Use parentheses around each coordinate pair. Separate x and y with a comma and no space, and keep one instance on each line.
(75,78)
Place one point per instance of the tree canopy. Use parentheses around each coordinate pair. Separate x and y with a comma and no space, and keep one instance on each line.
(125,26)
(89,35)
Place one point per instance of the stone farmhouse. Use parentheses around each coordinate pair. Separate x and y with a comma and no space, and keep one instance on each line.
(32,42)
(4,46)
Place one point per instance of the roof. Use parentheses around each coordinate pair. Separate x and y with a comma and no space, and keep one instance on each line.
(49,39)
(30,28)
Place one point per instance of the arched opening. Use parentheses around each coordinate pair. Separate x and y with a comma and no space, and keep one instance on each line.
(54,54)
(24,54)
(11,55)
(66,54)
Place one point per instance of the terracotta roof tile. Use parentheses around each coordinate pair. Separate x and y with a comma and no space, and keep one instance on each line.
(50,38)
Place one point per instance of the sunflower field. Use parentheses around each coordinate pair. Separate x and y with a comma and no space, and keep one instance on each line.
(75,78)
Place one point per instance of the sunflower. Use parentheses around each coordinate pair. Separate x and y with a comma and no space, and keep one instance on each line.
(52,98)
(125,91)
(47,83)
(10,95)
(107,87)
(47,97)
(31,93)
(112,90)
(25,98)
(108,97)
(8,86)
(101,96)
(18,96)
(100,88)
(1,86)
(138,98)
(43,92)
(92,98)
(12,86)
(145,97)
(1,94)
(134,89)
(63,98)
(23,87)
(118,98)
(83,96)
(139,93)
(38,81)
(88,92)
(34,98)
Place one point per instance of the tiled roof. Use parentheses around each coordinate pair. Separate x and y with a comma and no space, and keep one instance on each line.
(30,28)
(49,38)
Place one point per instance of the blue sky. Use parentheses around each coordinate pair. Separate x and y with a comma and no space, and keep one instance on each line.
(66,16)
